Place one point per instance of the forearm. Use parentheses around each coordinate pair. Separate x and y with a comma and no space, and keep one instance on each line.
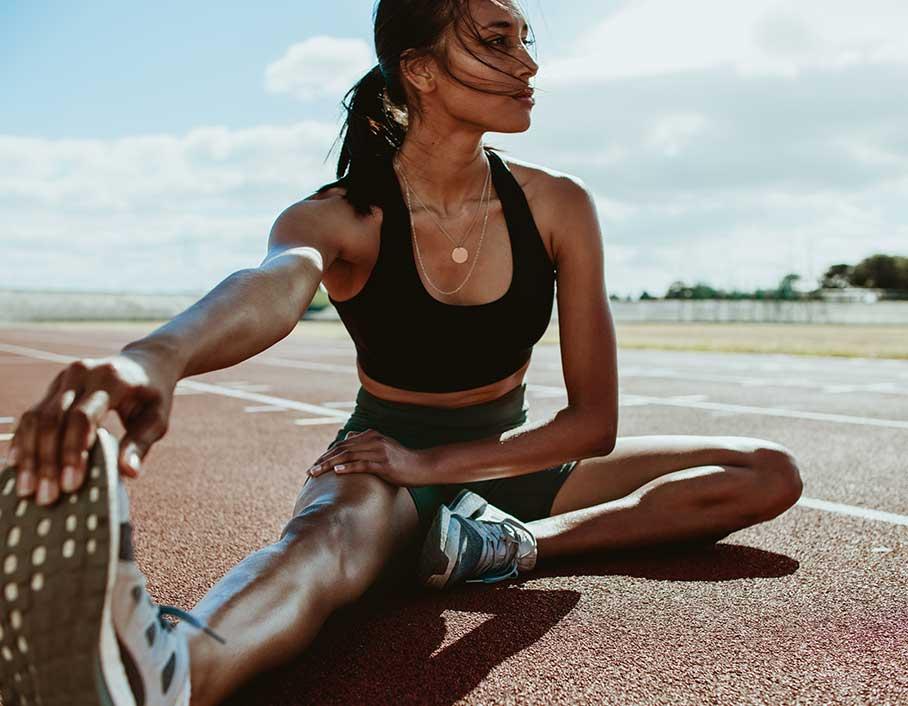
(570,434)
(249,311)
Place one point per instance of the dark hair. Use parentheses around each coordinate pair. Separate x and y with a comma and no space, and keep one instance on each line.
(377,114)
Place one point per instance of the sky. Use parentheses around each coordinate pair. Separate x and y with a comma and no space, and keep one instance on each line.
(148,147)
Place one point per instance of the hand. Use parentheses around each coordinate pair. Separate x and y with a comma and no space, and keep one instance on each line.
(51,441)
(371,452)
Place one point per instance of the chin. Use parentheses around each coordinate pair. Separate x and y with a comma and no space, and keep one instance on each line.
(521,126)
(513,124)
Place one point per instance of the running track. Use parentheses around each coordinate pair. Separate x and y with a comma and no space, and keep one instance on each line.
(811,607)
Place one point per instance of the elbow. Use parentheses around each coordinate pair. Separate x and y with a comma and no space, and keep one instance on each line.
(603,439)
(607,443)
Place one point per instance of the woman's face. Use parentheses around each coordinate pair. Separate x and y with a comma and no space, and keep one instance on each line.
(504,66)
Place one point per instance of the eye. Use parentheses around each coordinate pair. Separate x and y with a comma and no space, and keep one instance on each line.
(528,42)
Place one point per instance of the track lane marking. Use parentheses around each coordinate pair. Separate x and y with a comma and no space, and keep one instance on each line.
(853,510)
(333,415)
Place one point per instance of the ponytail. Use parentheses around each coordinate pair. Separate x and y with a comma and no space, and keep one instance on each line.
(373,132)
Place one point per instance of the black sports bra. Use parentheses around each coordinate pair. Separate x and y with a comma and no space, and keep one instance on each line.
(408,339)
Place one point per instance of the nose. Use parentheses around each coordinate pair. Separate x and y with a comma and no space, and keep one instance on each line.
(529,68)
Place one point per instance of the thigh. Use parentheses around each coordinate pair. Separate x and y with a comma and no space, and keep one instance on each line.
(374,523)
(637,460)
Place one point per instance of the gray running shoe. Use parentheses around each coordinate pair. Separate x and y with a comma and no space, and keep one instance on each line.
(472,541)
(76,625)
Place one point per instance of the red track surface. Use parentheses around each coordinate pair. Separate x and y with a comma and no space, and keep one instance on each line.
(808,608)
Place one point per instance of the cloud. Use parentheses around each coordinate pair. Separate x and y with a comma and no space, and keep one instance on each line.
(152,212)
(756,37)
(319,66)
(727,142)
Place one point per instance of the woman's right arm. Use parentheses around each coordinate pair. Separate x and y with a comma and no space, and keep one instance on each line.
(249,311)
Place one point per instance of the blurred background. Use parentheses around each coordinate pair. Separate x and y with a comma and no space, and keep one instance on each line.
(749,158)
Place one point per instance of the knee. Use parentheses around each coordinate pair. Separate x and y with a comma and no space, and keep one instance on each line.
(780,480)
(350,528)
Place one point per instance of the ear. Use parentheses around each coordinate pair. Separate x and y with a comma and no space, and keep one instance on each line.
(418,70)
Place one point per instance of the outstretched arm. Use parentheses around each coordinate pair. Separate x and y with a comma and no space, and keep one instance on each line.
(246,313)
(254,308)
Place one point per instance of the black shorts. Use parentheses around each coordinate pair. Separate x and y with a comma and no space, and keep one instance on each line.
(527,497)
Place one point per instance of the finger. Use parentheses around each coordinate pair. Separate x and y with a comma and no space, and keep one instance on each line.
(79,433)
(334,447)
(332,455)
(61,394)
(51,428)
(344,458)
(24,442)
(142,430)
(362,466)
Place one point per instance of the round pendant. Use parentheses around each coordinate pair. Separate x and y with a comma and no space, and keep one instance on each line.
(459,255)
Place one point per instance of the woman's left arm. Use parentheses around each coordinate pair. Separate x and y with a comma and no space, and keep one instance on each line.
(585,427)
(588,425)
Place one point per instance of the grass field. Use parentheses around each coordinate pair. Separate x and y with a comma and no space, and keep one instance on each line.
(853,340)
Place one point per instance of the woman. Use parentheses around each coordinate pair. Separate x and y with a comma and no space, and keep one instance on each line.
(435,454)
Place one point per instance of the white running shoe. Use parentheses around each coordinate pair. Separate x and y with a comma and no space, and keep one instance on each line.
(78,627)
(471,540)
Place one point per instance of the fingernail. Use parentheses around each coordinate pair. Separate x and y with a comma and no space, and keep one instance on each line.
(133,460)
(26,483)
(44,490)
(68,482)
(339,467)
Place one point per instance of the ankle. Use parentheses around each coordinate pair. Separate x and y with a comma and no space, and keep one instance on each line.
(199,665)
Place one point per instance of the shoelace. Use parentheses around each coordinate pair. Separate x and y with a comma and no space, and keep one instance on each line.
(188,617)
(501,545)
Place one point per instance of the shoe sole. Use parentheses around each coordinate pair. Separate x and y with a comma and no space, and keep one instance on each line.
(57,643)
(440,550)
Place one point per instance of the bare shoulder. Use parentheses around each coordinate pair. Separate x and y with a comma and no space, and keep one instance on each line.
(325,221)
(552,196)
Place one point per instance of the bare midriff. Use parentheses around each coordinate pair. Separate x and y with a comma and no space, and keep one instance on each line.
(460,398)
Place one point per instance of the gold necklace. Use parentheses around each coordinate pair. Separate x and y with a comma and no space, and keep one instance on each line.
(488,200)
(459,254)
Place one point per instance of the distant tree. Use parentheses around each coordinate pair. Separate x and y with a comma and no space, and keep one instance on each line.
(883,271)
(786,288)
(678,290)
(837,277)
(646,295)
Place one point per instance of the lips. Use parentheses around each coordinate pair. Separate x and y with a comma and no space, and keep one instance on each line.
(526,93)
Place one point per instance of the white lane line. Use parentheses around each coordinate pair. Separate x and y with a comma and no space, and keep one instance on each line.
(264,399)
(631,371)
(335,415)
(854,511)
(309,421)
(35,353)
(183,391)
(7,420)
(243,385)
(255,409)
(195,385)
(341,405)
(306,365)
(540,390)
(692,401)
(780,412)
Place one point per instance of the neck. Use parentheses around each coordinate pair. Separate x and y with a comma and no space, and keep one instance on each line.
(447,170)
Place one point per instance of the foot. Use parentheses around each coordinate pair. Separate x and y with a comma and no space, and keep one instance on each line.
(471,540)
(81,628)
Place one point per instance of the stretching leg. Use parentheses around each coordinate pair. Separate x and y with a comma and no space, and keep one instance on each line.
(271,605)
